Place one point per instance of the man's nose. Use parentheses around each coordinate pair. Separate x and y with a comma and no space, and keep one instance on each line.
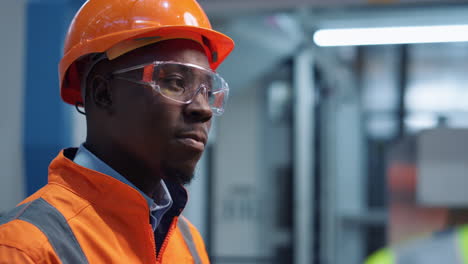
(199,109)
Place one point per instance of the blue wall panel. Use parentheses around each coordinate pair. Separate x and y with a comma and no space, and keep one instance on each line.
(47,127)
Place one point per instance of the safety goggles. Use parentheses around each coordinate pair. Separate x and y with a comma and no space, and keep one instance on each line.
(180,82)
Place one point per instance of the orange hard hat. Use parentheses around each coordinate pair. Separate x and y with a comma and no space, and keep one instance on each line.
(116,27)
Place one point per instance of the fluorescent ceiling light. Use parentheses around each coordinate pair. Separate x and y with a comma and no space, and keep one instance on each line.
(391,35)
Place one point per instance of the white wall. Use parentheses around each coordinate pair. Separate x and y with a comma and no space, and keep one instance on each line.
(12,30)
(236,179)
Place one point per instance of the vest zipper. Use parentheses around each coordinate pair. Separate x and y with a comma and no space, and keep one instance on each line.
(153,242)
(166,241)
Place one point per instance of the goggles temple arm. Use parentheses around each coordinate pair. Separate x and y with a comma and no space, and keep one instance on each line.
(148,71)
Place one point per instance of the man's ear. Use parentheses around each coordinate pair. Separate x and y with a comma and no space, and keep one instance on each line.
(101,93)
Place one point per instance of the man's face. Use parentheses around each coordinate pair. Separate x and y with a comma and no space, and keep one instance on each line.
(168,137)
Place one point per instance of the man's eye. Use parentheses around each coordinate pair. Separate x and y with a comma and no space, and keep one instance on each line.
(174,83)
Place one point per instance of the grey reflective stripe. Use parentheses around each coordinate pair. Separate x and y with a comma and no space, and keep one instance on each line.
(13,214)
(185,229)
(442,248)
(52,223)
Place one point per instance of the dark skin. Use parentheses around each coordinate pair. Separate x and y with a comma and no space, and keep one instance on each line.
(138,132)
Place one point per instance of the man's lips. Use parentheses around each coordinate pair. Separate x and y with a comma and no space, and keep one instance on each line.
(193,140)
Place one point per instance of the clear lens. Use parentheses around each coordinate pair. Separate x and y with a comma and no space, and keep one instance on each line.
(181,82)
(217,101)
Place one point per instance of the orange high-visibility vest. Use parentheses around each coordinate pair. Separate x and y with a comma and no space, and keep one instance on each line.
(83,216)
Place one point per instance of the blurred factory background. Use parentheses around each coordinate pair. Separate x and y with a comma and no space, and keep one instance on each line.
(318,158)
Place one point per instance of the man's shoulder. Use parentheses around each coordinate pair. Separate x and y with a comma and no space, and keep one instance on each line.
(21,239)
(40,225)
(16,232)
(25,219)
(34,214)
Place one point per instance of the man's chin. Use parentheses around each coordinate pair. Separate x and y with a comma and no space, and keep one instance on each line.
(180,176)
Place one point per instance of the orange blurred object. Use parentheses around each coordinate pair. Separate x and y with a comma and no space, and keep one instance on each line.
(103,24)
(402,178)
(407,219)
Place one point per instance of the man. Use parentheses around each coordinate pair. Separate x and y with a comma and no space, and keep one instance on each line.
(448,246)
(144,73)
(427,179)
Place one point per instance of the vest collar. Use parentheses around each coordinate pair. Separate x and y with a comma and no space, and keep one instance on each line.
(104,190)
